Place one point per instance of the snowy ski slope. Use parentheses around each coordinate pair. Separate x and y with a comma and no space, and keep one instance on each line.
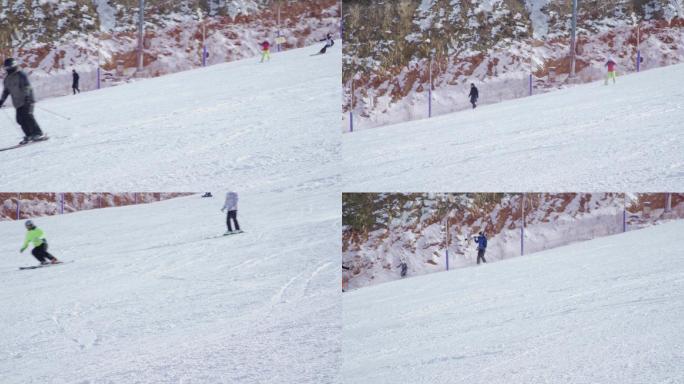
(603,311)
(262,126)
(591,137)
(152,298)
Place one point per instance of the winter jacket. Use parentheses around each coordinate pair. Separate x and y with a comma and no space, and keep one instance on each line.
(231,201)
(474,94)
(611,65)
(34,236)
(265,46)
(17,84)
(76,78)
(329,42)
(481,242)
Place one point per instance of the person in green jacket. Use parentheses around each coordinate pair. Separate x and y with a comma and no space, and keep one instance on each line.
(40,246)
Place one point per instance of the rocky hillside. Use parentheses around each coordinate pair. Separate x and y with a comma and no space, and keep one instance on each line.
(51,37)
(15,206)
(496,44)
(380,231)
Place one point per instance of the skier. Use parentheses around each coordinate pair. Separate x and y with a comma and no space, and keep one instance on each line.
(403,266)
(74,84)
(611,64)
(40,246)
(474,95)
(17,84)
(481,241)
(329,42)
(265,51)
(231,206)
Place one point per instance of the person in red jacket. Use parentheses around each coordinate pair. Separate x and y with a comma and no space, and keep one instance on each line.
(611,70)
(265,51)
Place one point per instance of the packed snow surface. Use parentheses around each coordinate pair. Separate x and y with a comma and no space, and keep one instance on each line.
(264,127)
(607,310)
(591,137)
(156,295)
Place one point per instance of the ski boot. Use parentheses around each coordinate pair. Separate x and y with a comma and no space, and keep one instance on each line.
(44,262)
(37,137)
(25,140)
(54,261)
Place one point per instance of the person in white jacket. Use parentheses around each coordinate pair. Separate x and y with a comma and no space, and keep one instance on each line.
(231,206)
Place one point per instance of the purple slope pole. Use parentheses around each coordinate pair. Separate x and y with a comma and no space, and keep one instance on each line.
(522,228)
(530,84)
(430,91)
(351,108)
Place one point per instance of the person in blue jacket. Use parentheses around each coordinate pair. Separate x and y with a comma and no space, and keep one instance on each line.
(481,241)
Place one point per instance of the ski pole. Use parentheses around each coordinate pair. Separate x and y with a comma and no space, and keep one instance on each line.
(54,113)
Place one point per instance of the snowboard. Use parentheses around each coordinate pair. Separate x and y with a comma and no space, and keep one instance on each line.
(223,235)
(44,266)
(44,138)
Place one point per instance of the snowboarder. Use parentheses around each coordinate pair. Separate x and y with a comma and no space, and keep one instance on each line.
(265,51)
(231,206)
(74,83)
(17,84)
(329,42)
(474,95)
(40,245)
(481,241)
(611,64)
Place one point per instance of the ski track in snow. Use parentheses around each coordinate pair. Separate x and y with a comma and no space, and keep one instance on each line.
(149,300)
(263,127)
(590,137)
(605,310)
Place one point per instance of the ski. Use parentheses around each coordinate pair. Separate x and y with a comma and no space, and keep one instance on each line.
(46,265)
(233,233)
(44,138)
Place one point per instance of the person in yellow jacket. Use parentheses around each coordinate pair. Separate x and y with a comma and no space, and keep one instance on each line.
(35,236)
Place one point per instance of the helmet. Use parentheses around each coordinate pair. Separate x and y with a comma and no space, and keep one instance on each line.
(10,63)
(29,224)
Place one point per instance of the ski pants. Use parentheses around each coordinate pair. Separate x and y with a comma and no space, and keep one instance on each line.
(480,255)
(404,267)
(611,75)
(40,252)
(27,121)
(266,55)
(473,101)
(75,88)
(232,215)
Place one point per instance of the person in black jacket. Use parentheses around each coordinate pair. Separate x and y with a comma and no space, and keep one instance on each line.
(17,84)
(74,84)
(474,95)
(329,42)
